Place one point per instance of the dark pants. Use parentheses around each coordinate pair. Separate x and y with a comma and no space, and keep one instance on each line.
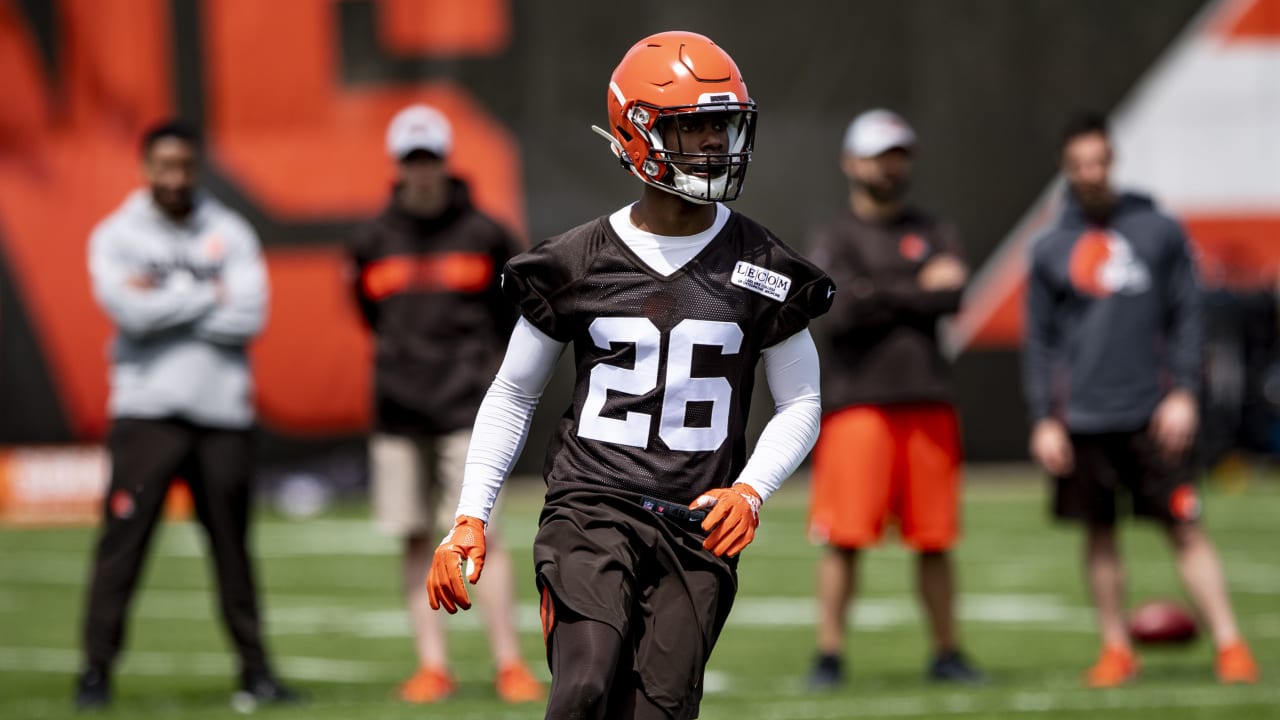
(145,456)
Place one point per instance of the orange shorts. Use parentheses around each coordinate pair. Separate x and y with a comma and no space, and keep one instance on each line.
(876,463)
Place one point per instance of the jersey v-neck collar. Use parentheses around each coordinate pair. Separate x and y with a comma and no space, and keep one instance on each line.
(630,238)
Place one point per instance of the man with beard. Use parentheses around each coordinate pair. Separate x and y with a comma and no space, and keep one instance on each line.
(1112,364)
(889,449)
(181,276)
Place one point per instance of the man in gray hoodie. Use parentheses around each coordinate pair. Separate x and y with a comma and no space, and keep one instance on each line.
(181,276)
(1112,366)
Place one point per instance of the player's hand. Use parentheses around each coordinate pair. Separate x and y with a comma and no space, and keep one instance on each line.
(445,585)
(1174,423)
(944,272)
(732,520)
(1051,447)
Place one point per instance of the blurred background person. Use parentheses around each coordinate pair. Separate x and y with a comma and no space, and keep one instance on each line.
(1112,369)
(890,446)
(181,277)
(427,276)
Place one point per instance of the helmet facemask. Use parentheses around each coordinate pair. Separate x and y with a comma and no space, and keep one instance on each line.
(688,172)
(676,166)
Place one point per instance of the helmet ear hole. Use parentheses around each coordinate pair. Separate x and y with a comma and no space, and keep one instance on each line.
(623,132)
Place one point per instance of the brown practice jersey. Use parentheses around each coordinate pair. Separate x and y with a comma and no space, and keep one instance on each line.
(881,333)
(665,365)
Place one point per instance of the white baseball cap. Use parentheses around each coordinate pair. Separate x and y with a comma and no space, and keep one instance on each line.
(877,131)
(419,127)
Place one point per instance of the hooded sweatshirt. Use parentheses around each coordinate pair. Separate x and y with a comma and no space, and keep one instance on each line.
(1113,318)
(186,299)
(430,290)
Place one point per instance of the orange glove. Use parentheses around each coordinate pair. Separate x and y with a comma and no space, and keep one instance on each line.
(444,581)
(733,519)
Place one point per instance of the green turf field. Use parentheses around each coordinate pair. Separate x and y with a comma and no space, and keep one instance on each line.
(338,629)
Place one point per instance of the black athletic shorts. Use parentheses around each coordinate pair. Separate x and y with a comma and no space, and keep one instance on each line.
(609,556)
(1119,470)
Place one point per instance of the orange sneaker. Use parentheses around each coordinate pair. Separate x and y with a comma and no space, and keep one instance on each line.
(1115,667)
(1236,665)
(515,684)
(428,685)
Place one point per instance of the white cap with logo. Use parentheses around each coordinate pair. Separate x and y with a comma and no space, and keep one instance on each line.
(878,131)
(419,127)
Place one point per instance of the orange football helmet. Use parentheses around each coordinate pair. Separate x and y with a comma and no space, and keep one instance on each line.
(665,78)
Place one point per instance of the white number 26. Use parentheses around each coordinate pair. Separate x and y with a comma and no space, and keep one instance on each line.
(681,389)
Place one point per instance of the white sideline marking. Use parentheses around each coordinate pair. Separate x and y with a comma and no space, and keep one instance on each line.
(1045,612)
(1025,702)
(796,706)
(58,660)
(287,614)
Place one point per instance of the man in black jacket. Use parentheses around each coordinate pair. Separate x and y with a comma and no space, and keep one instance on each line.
(1112,364)
(427,282)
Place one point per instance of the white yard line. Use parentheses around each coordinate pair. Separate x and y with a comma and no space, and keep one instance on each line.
(1027,702)
(792,703)
(61,660)
(377,615)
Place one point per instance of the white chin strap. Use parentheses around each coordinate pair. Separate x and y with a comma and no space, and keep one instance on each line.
(696,189)
(699,189)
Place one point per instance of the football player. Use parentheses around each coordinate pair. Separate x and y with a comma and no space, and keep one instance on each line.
(669,304)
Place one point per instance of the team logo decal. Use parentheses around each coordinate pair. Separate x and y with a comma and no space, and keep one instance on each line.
(121,504)
(1103,264)
(912,247)
(761,280)
(1184,503)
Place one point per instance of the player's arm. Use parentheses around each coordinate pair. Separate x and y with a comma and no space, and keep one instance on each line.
(1176,420)
(791,369)
(1186,305)
(501,427)
(869,298)
(242,308)
(359,252)
(138,303)
(1049,444)
(936,290)
(938,286)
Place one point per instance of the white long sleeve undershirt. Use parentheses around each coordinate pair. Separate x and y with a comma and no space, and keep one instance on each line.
(502,423)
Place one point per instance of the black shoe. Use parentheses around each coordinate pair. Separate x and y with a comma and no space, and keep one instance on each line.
(262,689)
(93,689)
(953,667)
(827,673)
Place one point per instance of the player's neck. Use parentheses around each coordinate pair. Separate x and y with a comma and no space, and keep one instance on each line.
(868,208)
(662,213)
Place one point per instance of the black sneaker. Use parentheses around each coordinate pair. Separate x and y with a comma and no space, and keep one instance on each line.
(827,673)
(93,689)
(953,667)
(258,690)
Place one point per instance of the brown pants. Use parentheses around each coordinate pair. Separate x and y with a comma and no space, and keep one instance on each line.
(632,606)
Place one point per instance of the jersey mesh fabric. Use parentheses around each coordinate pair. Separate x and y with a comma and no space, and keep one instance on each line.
(588,279)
